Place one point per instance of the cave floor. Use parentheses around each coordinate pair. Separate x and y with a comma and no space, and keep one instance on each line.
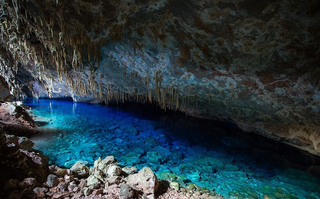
(214,155)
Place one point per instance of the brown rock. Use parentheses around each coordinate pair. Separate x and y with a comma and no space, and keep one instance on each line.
(97,192)
(61,172)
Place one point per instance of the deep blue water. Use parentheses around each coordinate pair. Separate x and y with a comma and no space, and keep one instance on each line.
(210,154)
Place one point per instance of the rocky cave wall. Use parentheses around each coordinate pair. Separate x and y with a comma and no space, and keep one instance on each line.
(255,63)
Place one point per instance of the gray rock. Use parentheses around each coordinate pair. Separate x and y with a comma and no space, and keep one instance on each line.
(80,170)
(113,180)
(145,180)
(129,170)
(52,180)
(126,191)
(93,182)
(40,192)
(114,170)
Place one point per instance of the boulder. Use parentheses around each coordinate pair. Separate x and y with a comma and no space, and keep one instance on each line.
(146,181)
(80,170)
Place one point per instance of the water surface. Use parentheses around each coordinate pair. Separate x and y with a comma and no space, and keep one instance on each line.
(210,154)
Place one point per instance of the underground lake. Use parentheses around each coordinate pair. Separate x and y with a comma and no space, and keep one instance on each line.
(193,152)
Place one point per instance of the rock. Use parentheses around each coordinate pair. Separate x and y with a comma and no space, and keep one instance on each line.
(60,195)
(113,180)
(97,192)
(25,143)
(87,191)
(129,170)
(145,180)
(174,185)
(103,165)
(155,157)
(52,180)
(151,142)
(72,187)
(68,178)
(126,191)
(131,130)
(28,183)
(62,172)
(63,186)
(114,171)
(93,182)
(80,170)
(109,160)
(83,183)
(40,192)
(132,158)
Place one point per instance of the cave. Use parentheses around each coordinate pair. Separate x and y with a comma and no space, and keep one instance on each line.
(209,99)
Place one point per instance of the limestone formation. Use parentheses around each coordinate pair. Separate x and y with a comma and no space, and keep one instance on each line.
(254,63)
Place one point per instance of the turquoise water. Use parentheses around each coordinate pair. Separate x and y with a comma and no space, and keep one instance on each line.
(210,154)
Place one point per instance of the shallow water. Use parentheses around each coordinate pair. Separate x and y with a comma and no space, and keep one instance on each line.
(210,154)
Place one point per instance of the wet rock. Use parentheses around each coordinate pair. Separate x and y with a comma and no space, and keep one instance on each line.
(132,158)
(126,191)
(145,180)
(131,130)
(52,180)
(80,170)
(155,157)
(151,142)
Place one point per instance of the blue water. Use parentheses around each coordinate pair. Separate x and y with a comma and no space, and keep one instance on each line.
(211,154)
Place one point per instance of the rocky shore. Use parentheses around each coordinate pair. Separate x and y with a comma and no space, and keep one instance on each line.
(25,173)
